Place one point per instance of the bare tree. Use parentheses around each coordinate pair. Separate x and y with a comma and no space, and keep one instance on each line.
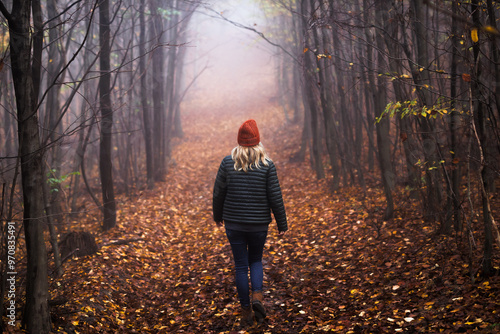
(24,70)
(105,162)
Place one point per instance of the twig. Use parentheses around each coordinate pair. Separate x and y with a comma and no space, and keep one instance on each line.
(261,34)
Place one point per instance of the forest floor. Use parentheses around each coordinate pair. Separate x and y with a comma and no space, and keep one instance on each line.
(340,268)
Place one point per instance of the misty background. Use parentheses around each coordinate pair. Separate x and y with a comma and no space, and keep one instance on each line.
(236,65)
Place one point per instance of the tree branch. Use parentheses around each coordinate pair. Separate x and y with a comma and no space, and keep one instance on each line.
(61,13)
(486,28)
(5,12)
(239,25)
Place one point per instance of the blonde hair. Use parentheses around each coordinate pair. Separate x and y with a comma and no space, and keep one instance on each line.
(245,157)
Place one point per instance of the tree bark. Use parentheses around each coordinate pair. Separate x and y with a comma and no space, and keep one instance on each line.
(159,107)
(308,95)
(172,77)
(88,91)
(479,128)
(454,203)
(325,94)
(52,109)
(421,77)
(105,161)
(144,97)
(36,313)
(383,125)
(368,87)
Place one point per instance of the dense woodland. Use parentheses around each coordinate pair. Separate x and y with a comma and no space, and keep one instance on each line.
(395,111)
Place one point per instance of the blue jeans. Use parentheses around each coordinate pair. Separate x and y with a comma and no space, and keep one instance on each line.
(247,250)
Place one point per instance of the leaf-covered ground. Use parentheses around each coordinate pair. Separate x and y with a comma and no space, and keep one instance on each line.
(340,268)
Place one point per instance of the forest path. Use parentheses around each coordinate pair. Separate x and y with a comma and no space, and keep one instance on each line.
(330,273)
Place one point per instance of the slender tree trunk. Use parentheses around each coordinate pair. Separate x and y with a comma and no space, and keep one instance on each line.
(491,153)
(7,120)
(300,155)
(454,191)
(144,97)
(296,92)
(308,95)
(370,116)
(87,93)
(383,125)
(52,230)
(296,30)
(379,96)
(358,131)
(159,106)
(408,140)
(186,11)
(479,127)
(53,112)
(283,85)
(422,79)
(346,141)
(36,314)
(179,69)
(105,161)
(325,93)
(171,78)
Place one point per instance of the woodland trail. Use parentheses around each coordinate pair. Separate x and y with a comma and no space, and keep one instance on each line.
(339,268)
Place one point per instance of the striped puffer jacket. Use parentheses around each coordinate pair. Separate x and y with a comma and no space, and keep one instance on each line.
(244,200)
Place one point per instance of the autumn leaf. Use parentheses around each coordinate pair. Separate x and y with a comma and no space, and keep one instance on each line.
(474,35)
(491,30)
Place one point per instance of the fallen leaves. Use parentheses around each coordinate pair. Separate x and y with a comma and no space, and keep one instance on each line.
(340,267)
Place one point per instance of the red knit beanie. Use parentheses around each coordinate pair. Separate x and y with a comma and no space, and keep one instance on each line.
(248,135)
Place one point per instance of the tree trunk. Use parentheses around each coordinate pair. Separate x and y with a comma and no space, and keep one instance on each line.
(159,107)
(395,66)
(53,112)
(325,93)
(105,161)
(383,125)
(308,95)
(454,188)
(170,102)
(421,77)
(36,314)
(479,127)
(358,131)
(88,91)
(368,86)
(144,98)
(346,127)
(491,154)
(179,69)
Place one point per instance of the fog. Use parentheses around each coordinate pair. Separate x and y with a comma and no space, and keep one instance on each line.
(236,64)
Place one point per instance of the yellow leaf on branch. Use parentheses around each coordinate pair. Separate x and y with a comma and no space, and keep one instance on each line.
(474,35)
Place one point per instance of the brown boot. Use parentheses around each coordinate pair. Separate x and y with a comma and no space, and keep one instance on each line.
(258,306)
(246,316)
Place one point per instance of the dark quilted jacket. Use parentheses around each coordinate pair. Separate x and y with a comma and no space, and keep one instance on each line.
(244,200)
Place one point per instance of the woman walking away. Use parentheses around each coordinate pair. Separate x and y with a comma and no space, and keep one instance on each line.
(246,190)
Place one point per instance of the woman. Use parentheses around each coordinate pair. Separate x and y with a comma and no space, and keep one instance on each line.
(246,190)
